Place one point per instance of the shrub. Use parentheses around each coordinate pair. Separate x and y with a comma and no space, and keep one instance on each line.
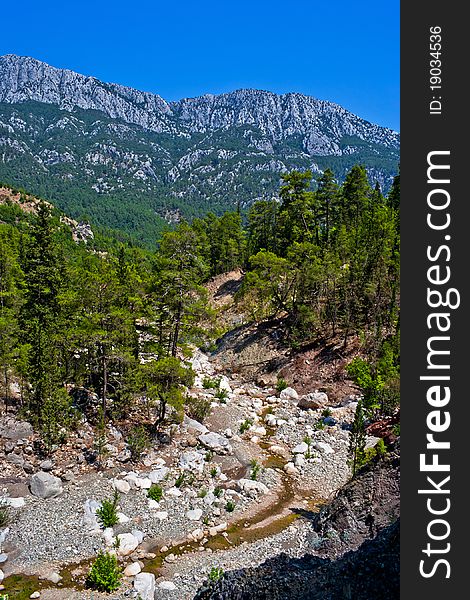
(105,574)
(216,573)
(107,513)
(230,506)
(245,425)
(281,384)
(155,492)
(380,448)
(138,441)
(197,408)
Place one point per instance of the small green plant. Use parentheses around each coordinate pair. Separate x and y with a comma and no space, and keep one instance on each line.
(281,384)
(107,513)
(105,574)
(208,383)
(138,441)
(218,492)
(206,520)
(396,429)
(326,413)
(180,480)
(216,573)
(222,395)
(308,440)
(319,425)
(4,513)
(381,448)
(209,456)
(214,472)
(155,492)
(255,469)
(202,493)
(230,506)
(245,425)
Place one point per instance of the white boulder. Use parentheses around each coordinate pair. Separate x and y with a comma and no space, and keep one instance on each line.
(127,544)
(289,394)
(144,585)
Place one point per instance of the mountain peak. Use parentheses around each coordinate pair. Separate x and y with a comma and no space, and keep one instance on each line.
(25,79)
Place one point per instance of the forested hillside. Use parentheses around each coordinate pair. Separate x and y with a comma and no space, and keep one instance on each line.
(73,315)
(105,366)
(130,161)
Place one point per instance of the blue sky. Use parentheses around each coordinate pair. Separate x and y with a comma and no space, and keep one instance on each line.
(343,51)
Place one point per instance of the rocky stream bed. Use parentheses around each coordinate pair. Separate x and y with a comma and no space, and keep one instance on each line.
(237,490)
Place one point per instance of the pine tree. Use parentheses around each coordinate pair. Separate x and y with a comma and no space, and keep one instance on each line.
(163,382)
(179,296)
(10,276)
(44,275)
(327,200)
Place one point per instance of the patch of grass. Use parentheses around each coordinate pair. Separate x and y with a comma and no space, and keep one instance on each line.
(230,506)
(214,472)
(155,492)
(208,383)
(209,455)
(218,492)
(222,396)
(319,425)
(326,413)
(202,493)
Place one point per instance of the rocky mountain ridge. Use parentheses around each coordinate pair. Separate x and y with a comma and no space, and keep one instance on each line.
(25,79)
(130,160)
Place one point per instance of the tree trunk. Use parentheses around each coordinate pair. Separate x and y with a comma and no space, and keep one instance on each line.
(105,383)
(176,333)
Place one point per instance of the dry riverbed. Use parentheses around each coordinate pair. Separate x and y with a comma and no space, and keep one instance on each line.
(219,507)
